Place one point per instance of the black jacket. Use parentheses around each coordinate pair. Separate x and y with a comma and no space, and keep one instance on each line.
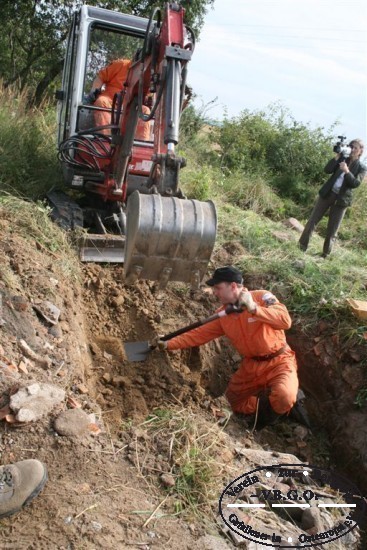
(357,172)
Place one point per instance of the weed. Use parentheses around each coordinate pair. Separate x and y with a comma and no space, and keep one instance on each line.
(198,185)
(181,289)
(321,448)
(8,277)
(159,417)
(126,424)
(191,451)
(250,193)
(31,221)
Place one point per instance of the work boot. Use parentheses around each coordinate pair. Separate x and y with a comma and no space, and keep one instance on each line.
(19,484)
(298,412)
(266,415)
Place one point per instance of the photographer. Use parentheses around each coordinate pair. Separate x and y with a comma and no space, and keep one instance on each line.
(336,194)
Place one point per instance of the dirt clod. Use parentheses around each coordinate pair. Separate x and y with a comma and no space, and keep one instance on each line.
(73,422)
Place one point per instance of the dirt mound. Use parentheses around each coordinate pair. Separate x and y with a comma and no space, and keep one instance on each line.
(118,314)
(96,492)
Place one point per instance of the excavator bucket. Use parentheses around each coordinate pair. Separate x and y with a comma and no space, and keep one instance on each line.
(168,239)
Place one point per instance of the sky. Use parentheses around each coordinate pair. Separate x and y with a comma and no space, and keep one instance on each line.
(309,55)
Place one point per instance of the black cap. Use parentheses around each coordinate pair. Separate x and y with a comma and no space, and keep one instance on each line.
(228,274)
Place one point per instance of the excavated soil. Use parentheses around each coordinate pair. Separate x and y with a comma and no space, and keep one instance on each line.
(104,488)
(117,314)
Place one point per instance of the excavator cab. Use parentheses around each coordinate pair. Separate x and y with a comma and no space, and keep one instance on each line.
(117,151)
(96,38)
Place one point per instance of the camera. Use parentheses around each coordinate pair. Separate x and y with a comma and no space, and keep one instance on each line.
(343,149)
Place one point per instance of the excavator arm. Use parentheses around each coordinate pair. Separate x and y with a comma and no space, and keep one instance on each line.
(161,69)
(168,237)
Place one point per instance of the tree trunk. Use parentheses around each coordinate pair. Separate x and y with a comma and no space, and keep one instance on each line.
(46,81)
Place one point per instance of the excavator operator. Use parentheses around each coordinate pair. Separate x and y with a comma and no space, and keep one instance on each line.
(266,380)
(110,81)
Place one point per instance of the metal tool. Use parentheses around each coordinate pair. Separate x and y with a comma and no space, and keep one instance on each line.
(138,351)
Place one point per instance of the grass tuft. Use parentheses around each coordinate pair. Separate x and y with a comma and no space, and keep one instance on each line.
(31,221)
(192,450)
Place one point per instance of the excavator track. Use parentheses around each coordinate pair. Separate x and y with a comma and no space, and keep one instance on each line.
(64,210)
(93,247)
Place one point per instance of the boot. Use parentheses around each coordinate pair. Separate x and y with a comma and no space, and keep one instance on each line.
(298,412)
(19,484)
(266,415)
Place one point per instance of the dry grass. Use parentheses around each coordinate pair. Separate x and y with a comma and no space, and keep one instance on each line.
(31,222)
(193,453)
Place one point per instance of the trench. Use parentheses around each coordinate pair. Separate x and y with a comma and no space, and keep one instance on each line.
(339,427)
(339,430)
(331,407)
(330,404)
(193,377)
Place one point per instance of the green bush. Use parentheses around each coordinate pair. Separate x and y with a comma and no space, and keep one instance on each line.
(292,186)
(272,143)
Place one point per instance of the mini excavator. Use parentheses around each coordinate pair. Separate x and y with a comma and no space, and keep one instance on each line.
(125,190)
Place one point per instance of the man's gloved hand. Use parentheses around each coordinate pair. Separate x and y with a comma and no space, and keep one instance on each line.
(246,301)
(92,96)
(159,344)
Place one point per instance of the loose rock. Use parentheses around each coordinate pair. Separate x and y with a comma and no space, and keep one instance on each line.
(73,422)
(35,401)
(48,311)
(168,480)
(293,223)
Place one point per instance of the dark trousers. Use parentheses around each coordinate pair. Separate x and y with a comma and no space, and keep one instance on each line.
(336,215)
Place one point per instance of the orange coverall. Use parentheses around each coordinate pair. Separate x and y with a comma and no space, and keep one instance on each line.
(254,335)
(113,76)
(143,128)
